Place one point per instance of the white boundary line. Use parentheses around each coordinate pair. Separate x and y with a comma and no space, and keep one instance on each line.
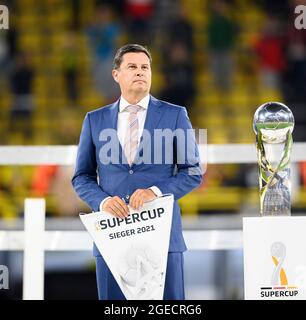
(66,155)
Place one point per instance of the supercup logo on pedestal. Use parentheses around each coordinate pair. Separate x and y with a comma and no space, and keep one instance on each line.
(274,258)
(279,286)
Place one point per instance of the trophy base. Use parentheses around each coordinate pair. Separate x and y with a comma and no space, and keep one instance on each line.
(275,214)
(276,202)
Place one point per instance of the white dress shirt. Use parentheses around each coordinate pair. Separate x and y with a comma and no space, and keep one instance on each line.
(122,126)
(123,118)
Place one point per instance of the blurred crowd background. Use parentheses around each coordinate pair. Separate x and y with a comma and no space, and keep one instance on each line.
(221,59)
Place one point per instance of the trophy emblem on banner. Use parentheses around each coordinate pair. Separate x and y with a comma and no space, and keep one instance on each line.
(273,125)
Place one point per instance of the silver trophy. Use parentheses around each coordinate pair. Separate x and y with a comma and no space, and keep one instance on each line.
(273,125)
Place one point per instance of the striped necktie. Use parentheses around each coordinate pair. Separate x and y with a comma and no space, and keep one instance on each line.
(131,137)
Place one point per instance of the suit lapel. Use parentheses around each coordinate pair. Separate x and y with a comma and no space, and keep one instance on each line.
(113,115)
(153,114)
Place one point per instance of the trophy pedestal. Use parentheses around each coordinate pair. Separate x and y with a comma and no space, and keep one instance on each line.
(274,258)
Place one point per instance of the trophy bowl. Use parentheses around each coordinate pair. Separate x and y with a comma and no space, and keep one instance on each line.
(273,120)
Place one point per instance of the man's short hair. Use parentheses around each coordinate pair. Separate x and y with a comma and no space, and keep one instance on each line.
(129,48)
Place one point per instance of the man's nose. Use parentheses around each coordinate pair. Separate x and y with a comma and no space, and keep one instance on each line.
(139,72)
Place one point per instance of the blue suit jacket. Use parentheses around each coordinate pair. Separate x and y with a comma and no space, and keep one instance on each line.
(94,181)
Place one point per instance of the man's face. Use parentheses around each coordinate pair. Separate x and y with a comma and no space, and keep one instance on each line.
(134,73)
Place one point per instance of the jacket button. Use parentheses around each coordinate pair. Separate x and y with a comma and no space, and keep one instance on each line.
(131,172)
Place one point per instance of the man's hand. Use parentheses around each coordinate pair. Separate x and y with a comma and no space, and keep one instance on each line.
(117,207)
(140,196)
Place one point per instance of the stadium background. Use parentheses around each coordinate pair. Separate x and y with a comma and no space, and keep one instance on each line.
(221,59)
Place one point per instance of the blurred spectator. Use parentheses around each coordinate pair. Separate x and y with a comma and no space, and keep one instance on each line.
(66,200)
(3,52)
(180,29)
(295,75)
(277,8)
(296,57)
(117,5)
(139,14)
(269,48)
(21,81)
(11,37)
(302,166)
(42,179)
(55,181)
(70,67)
(67,132)
(222,33)
(103,35)
(75,14)
(179,76)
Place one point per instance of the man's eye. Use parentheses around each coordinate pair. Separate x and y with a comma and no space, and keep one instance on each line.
(145,67)
(131,67)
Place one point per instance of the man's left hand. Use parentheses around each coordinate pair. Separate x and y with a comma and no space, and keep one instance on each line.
(140,196)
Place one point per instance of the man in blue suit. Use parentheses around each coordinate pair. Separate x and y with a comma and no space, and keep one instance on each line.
(117,170)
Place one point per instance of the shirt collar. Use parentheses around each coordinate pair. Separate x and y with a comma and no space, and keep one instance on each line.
(144,103)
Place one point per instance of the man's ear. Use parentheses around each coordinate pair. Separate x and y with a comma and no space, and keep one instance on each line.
(115,75)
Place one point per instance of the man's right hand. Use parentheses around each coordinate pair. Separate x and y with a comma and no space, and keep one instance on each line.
(116,206)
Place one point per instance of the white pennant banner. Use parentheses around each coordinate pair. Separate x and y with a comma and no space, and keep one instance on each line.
(135,248)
